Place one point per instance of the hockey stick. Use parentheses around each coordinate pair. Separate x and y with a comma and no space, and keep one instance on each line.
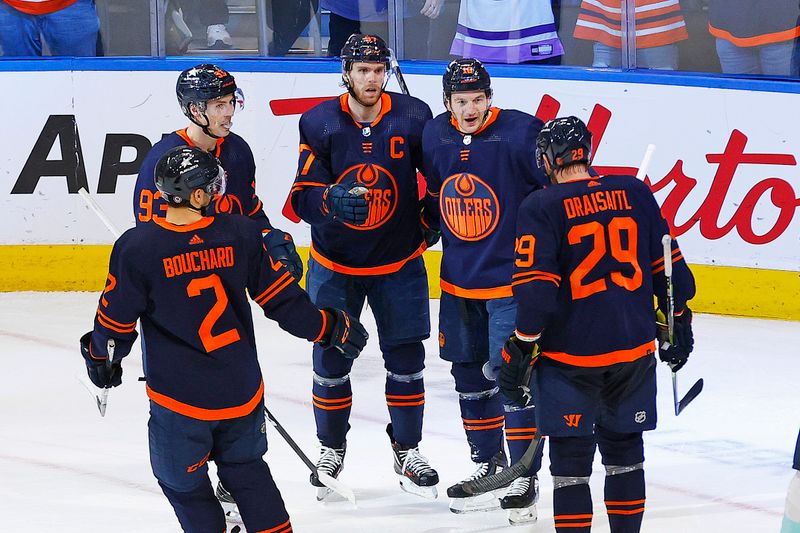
(507,475)
(102,398)
(648,155)
(697,388)
(398,73)
(329,481)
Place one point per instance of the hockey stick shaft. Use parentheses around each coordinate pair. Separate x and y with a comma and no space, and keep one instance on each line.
(648,155)
(666,243)
(102,398)
(398,73)
(329,481)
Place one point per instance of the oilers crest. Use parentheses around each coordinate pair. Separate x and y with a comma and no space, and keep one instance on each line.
(381,192)
(468,206)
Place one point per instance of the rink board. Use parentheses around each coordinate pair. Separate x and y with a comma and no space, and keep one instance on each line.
(727,179)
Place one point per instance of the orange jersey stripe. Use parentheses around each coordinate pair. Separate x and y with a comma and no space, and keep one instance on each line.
(625,511)
(604,359)
(572,516)
(483,428)
(386,106)
(275,285)
(519,437)
(200,413)
(477,294)
(255,209)
(324,326)
(332,400)
(405,404)
(332,407)
(118,324)
(756,40)
(405,396)
(194,226)
(520,430)
(575,524)
(631,502)
(391,268)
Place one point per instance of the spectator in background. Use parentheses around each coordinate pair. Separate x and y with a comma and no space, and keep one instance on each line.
(288,19)
(657,32)
(213,14)
(69,28)
(755,36)
(513,31)
(370,17)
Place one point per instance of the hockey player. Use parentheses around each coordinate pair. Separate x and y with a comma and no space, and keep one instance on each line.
(356,186)
(480,168)
(791,515)
(185,277)
(208,96)
(589,259)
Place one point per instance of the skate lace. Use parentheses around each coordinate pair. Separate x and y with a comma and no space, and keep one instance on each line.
(481,471)
(416,462)
(329,460)
(519,486)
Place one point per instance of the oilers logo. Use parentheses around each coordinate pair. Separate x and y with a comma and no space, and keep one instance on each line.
(381,192)
(469,207)
(228,204)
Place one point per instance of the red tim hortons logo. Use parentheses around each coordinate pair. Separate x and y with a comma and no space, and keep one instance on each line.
(469,207)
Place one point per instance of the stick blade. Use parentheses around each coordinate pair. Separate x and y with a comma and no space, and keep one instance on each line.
(505,476)
(337,486)
(693,393)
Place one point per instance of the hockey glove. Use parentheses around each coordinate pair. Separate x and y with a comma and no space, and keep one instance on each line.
(102,374)
(431,236)
(280,247)
(344,333)
(677,352)
(518,358)
(346,204)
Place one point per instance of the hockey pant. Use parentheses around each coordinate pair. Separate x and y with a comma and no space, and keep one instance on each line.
(405,393)
(571,466)
(180,448)
(484,414)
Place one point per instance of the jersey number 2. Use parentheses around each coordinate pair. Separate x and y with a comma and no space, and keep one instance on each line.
(210,341)
(623,254)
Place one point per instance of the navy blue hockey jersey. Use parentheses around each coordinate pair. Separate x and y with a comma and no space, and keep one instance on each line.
(384,157)
(475,185)
(187,283)
(236,158)
(589,259)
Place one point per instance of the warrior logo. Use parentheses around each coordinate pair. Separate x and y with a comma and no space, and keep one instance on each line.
(469,207)
(381,192)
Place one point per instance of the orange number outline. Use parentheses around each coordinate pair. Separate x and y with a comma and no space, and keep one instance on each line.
(623,255)
(210,341)
(524,247)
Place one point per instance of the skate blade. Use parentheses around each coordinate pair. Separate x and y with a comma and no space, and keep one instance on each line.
(525,515)
(327,495)
(429,493)
(475,504)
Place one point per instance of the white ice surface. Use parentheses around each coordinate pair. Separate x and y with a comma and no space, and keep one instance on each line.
(722,465)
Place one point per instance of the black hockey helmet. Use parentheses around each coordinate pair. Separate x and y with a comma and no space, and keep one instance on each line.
(464,75)
(185,168)
(363,48)
(564,141)
(199,84)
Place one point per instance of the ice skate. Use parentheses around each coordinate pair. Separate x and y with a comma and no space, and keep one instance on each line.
(416,474)
(232,517)
(331,462)
(463,502)
(520,500)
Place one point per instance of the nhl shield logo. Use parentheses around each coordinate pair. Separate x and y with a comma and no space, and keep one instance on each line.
(640,417)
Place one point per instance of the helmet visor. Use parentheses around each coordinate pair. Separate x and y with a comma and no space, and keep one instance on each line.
(216,187)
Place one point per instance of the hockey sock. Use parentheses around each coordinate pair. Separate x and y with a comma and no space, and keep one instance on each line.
(332,399)
(405,390)
(520,431)
(571,466)
(198,510)
(481,410)
(623,457)
(257,496)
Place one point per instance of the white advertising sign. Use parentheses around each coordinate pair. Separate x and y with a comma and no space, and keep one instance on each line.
(725,169)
